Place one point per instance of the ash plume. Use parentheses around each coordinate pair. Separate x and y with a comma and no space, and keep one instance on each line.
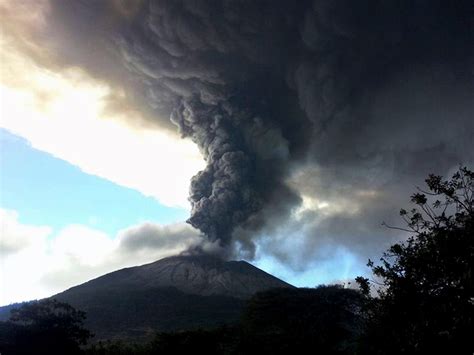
(266,88)
(213,78)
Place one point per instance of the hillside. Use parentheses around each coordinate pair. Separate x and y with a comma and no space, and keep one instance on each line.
(196,275)
(175,293)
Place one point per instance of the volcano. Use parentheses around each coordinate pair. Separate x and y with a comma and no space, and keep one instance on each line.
(174,293)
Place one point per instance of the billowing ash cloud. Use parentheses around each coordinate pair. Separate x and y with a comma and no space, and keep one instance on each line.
(369,93)
(217,66)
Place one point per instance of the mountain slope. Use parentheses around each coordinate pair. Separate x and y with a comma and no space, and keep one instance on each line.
(197,275)
(180,292)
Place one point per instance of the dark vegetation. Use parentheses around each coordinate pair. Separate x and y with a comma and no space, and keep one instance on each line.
(285,321)
(420,301)
(131,314)
(425,302)
(44,327)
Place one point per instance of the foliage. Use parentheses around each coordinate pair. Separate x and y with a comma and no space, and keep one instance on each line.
(116,348)
(43,327)
(134,313)
(220,340)
(292,320)
(278,321)
(426,300)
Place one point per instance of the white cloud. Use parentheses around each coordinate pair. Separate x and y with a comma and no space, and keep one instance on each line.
(15,236)
(37,263)
(82,244)
(65,113)
(22,248)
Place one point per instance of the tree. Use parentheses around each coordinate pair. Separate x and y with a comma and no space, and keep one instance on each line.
(43,327)
(292,320)
(425,300)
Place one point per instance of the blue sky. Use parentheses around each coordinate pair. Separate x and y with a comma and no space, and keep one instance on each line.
(45,190)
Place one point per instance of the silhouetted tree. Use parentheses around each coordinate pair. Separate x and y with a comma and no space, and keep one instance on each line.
(425,300)
(283,321)
(43,327)
(118,347)
(215,341)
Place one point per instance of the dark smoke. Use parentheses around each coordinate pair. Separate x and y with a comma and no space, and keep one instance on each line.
(221,69)
(266,87)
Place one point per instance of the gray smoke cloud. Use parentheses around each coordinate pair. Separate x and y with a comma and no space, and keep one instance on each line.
(212,76)
(370,94)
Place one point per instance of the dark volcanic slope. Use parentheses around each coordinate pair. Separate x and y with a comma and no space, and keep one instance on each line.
(197,275)
(180,292)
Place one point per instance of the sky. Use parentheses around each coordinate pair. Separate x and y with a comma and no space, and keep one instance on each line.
(282,134)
